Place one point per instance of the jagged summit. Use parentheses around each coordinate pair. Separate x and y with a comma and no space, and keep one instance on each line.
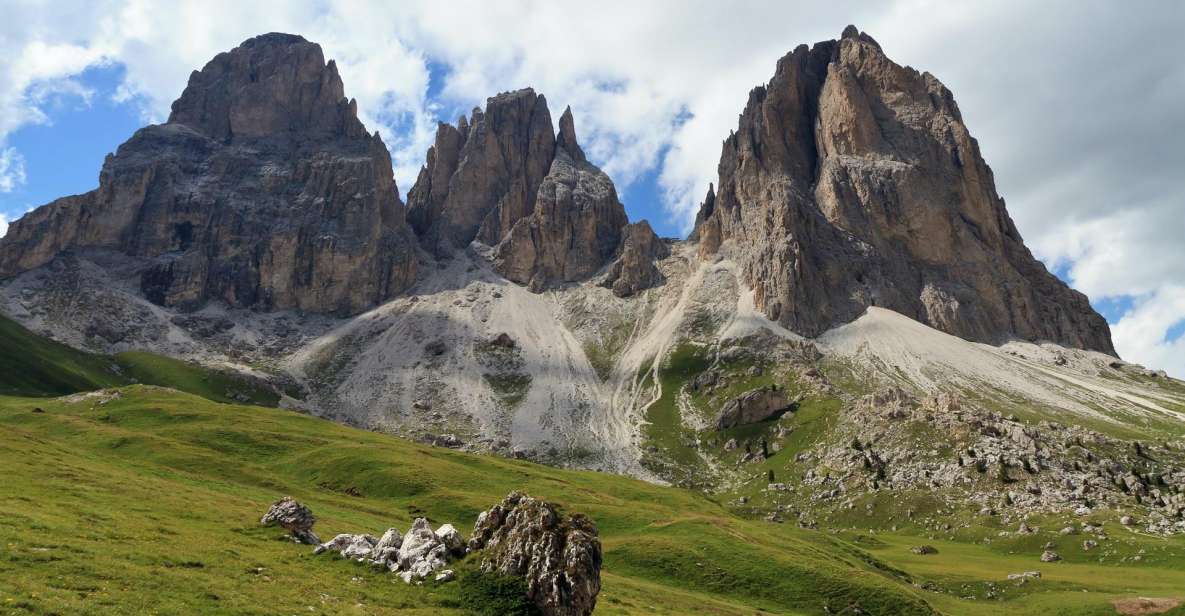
(481,176)
(271,85)
(575,227)
(263,190)
(566,140)
(851,182)
(506,179)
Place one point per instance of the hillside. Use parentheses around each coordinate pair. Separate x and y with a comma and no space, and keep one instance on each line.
(35,366)
(149,499)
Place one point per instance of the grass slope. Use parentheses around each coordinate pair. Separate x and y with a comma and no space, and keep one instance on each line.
(31,365)
(147,500)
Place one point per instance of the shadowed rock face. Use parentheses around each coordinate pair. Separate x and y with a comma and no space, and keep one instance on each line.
(506,179)
(851,181)
(482,175)
(263,190)
(634,270)
(575,228)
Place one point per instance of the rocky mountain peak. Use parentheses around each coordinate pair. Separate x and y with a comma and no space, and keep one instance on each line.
(482,176)
(854,33)
(263,191)
(506,179)
(269,86)
(566,140)
(575,227)
(851,181)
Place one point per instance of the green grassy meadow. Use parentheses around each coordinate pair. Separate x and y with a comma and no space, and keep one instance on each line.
(137,498)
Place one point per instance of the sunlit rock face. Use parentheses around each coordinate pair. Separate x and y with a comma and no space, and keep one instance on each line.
(852,181)
(263,190)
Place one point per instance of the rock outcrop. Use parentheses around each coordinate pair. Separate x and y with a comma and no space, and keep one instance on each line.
(754,406)
(503,178)
(575,228)
(294,518)
(414,556)
(560,557)
(483,175)
(634,269)
(851,182)
(263,190)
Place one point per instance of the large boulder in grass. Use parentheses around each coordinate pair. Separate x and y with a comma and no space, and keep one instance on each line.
(559,556)
(293,517)
(755,406)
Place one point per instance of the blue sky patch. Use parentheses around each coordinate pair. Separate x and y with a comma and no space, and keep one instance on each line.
(1113,308)
(64,157)
(1175,332)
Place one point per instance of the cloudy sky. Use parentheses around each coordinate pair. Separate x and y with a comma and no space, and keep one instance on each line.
(1079,106)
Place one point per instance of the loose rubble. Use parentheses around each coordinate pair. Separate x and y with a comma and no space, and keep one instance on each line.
(414,556)
(1046,467)
(559,556)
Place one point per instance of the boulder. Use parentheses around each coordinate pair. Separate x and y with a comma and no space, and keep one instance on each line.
(424,552)
(753,406)
(452,540)
(386,552)
(559,556)
(355,547)
(416,555)
(293,517)
(1049,556)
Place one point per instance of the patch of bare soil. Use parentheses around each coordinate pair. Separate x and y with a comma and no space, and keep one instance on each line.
(1144,605)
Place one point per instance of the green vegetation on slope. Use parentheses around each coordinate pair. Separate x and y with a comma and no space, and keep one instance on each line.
(219,386)
(670,443)
(31,365)
(150,500)
(147,500)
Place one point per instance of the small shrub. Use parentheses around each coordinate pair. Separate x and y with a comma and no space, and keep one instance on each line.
(488,594)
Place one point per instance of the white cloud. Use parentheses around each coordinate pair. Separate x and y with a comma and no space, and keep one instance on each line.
(1141,332)
(3,225)
(12,169)
(1076,108)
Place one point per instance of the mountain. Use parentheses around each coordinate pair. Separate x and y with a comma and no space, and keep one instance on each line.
(854,339)
(851,181)
(505,179)
(263,190)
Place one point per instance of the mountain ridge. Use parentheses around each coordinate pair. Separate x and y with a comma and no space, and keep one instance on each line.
(532,318)
(867,168)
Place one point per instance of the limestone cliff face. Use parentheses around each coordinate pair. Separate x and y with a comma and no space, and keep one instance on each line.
(483,175)
(505,178)
(263,190)
(575,227)
(852,181)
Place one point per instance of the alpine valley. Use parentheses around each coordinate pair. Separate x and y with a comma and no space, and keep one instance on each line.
(851,390)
